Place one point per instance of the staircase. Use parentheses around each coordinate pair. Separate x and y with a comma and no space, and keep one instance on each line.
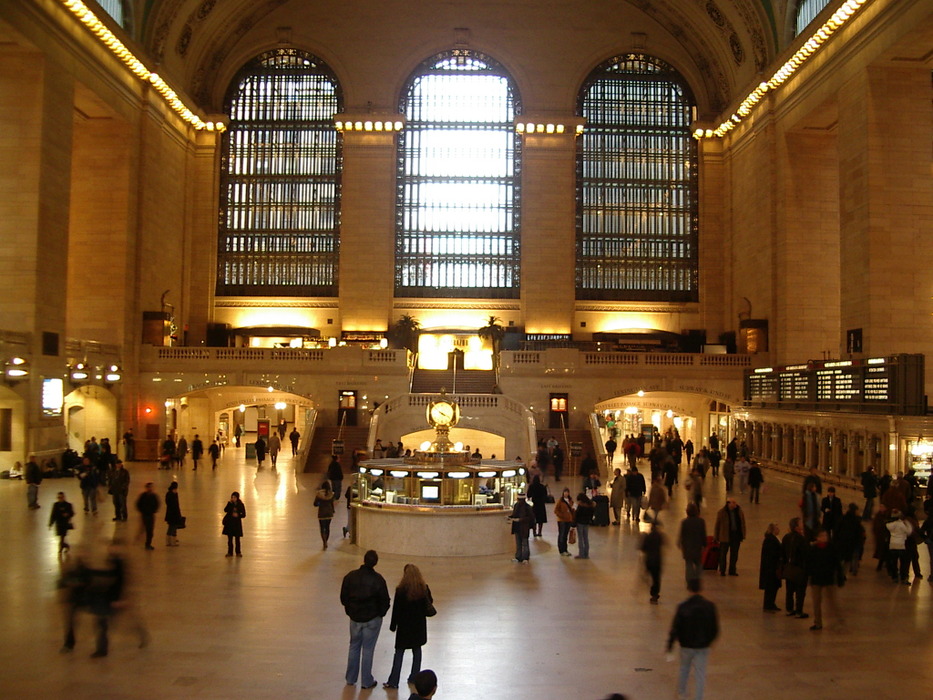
(454,379)
(318,456)
(572,464)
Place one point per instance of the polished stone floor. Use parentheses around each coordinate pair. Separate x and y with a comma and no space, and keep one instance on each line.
(270,625)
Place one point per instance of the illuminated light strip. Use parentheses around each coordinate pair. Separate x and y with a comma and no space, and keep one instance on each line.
(367,125)
(118,49)
(544,128)
(816,40)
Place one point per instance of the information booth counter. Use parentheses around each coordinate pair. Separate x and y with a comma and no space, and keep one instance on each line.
(436,504)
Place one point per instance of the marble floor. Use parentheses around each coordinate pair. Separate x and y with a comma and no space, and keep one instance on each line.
(270,625)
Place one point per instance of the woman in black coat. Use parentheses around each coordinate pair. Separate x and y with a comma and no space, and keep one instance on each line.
(850,539)
(413,603)
(537,492)
(233,522)
(173,515)
(772,563)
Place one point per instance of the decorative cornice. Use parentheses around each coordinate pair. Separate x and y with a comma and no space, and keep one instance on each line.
(634,307)
(232,303)
(457,304)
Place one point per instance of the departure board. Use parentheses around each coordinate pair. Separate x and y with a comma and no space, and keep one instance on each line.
(892,385)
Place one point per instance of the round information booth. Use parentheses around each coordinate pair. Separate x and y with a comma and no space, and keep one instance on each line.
(437,503)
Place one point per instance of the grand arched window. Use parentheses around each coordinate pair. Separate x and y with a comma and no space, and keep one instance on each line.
(457,211)
(280,179)
(807,10)
(636,184)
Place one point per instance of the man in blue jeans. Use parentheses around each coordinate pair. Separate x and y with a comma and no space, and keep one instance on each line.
(695,626)
(365,597)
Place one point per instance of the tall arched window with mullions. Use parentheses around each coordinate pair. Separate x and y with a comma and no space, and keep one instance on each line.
(280,179)
(457,210)
(636,184)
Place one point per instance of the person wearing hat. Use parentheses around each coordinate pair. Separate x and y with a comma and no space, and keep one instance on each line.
(523,520)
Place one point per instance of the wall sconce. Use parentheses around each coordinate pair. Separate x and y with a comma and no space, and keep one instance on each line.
(113,374)
(15,370)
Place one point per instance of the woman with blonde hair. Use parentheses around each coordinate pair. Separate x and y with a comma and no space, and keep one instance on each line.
(412,606)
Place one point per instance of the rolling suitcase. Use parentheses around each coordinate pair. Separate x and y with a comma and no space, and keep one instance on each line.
(601,516)
(710,556)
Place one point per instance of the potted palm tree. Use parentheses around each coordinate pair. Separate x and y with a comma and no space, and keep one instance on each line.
(493,332)
(404,333)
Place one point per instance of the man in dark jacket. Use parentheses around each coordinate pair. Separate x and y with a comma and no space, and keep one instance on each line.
(120,490)
(695,626)
(365,597)
(33,477)
(795,549)
(148,504)
(523,522)
(692,540)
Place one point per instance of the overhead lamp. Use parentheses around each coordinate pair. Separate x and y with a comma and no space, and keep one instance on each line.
(398,473)
(428,475)
(16,369)
(280,405)
(113,374)
(78,373)
(457,475)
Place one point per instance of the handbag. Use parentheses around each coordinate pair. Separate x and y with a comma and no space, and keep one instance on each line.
(429,609)
(572,537)
(182,523)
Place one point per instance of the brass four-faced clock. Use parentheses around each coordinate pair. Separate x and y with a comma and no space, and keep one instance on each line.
(443,413)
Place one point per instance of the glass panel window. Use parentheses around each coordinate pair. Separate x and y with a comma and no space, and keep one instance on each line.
(807,10)
(114,8)
(280,188)
(636,184)
(457,226)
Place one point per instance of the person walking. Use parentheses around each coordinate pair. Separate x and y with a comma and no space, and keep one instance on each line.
(260,446)
(825,572)
(173,515)
(88,481)
(755,479)
(869,491)
(657,500)
(617,495)
(728,473)
(324,501)
(563,510)
(411,609)
(850,539)
(831,509)
(537,492)
(771,568)
(237,434)
(523,521)
(214,451)
(610,446)
(692,540)
(794,546)
(582,519)
(365,598)
(275,445)
(120,491)
(148,505)
(60,517)
(197,451)
(234,513)
(33,477)
(635,490)
(742,468)
(652,545)
(293,437)
(335,475)
(695,628)
(729,533)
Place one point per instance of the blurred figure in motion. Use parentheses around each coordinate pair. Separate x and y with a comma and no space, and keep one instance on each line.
(101,592)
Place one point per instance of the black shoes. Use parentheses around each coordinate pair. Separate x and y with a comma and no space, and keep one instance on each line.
(370,687)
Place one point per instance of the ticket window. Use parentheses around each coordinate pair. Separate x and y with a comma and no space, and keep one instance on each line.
(346,408)
(557,412)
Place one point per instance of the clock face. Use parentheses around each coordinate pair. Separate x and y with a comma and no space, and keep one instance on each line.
(443,413)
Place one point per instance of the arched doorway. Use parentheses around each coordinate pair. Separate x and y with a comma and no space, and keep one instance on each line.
(91,411)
